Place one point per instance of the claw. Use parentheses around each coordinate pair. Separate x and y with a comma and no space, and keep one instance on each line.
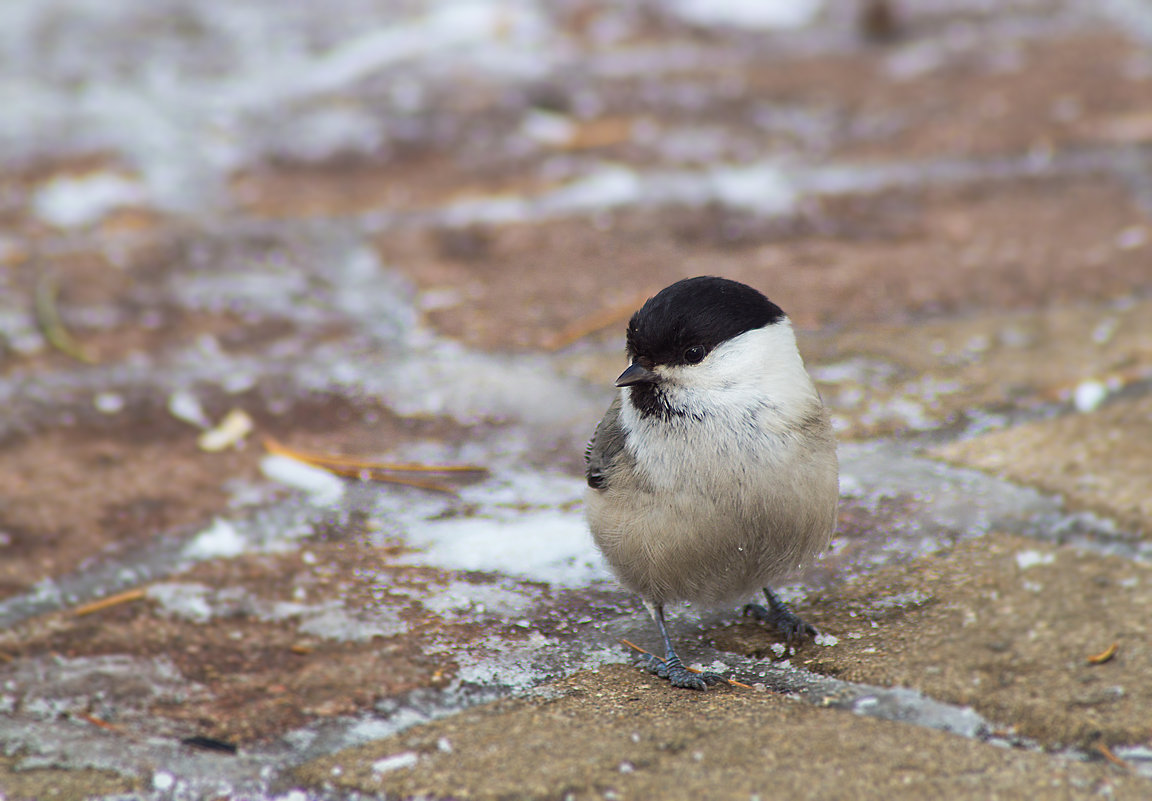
(670,667)
(677,674)
(680,677)
(777,615)
(653,664)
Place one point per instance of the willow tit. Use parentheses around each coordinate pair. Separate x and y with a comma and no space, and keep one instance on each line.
(714,472)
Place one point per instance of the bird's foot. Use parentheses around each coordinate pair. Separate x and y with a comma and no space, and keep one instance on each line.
(777,615)
(678,675)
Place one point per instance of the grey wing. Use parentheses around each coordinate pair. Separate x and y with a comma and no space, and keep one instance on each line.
(605,446)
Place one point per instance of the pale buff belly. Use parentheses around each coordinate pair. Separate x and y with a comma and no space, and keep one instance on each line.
(669,549)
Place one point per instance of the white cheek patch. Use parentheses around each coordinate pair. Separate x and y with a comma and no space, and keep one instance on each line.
(757,376)
(757,367)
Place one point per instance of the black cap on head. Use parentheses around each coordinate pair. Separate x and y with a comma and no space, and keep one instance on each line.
(696,313)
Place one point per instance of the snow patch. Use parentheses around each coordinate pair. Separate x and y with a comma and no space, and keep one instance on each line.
(463,597)
(183,599)
(183,405)
(108,402)
(221,540)
(405,759)
(321,487)
(551,545)
(330,620)
(1089,395)
(756,14)
(1027,559)
(758,187)
(78,201)
(901,600)
(337,623)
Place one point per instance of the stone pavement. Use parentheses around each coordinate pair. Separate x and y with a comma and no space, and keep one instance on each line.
(412,232)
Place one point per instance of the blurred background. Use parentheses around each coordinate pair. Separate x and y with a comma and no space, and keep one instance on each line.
(413,231)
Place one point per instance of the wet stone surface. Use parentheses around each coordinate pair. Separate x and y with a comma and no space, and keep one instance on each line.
(414,233)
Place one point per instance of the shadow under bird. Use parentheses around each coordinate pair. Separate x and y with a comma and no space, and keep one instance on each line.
(713,473)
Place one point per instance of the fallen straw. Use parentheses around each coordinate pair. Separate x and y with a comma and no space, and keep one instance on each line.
(48,317)
(365,470)
(95,721)
(1111,757)
(1105,655)
(111,600)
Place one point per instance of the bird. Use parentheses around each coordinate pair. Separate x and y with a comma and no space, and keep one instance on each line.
(714,471)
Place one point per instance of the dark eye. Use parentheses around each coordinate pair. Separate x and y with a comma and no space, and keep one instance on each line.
(694,354)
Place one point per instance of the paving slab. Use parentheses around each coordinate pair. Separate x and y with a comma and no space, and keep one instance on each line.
(619,733)
(132,473)
(114,490)
(979,93)
(60,785)
(1003,624)
(968,90)
(248,649)
(844,262)
(977,371)
(1098,460)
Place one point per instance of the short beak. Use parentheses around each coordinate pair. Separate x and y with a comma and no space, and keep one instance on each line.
(636,374)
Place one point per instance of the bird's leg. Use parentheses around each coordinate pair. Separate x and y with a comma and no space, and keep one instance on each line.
(670,667)
(780,617)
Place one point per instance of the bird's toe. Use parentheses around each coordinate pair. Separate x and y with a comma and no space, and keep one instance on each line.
(787,623)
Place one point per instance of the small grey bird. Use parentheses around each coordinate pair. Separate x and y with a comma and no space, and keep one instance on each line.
(714,472)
